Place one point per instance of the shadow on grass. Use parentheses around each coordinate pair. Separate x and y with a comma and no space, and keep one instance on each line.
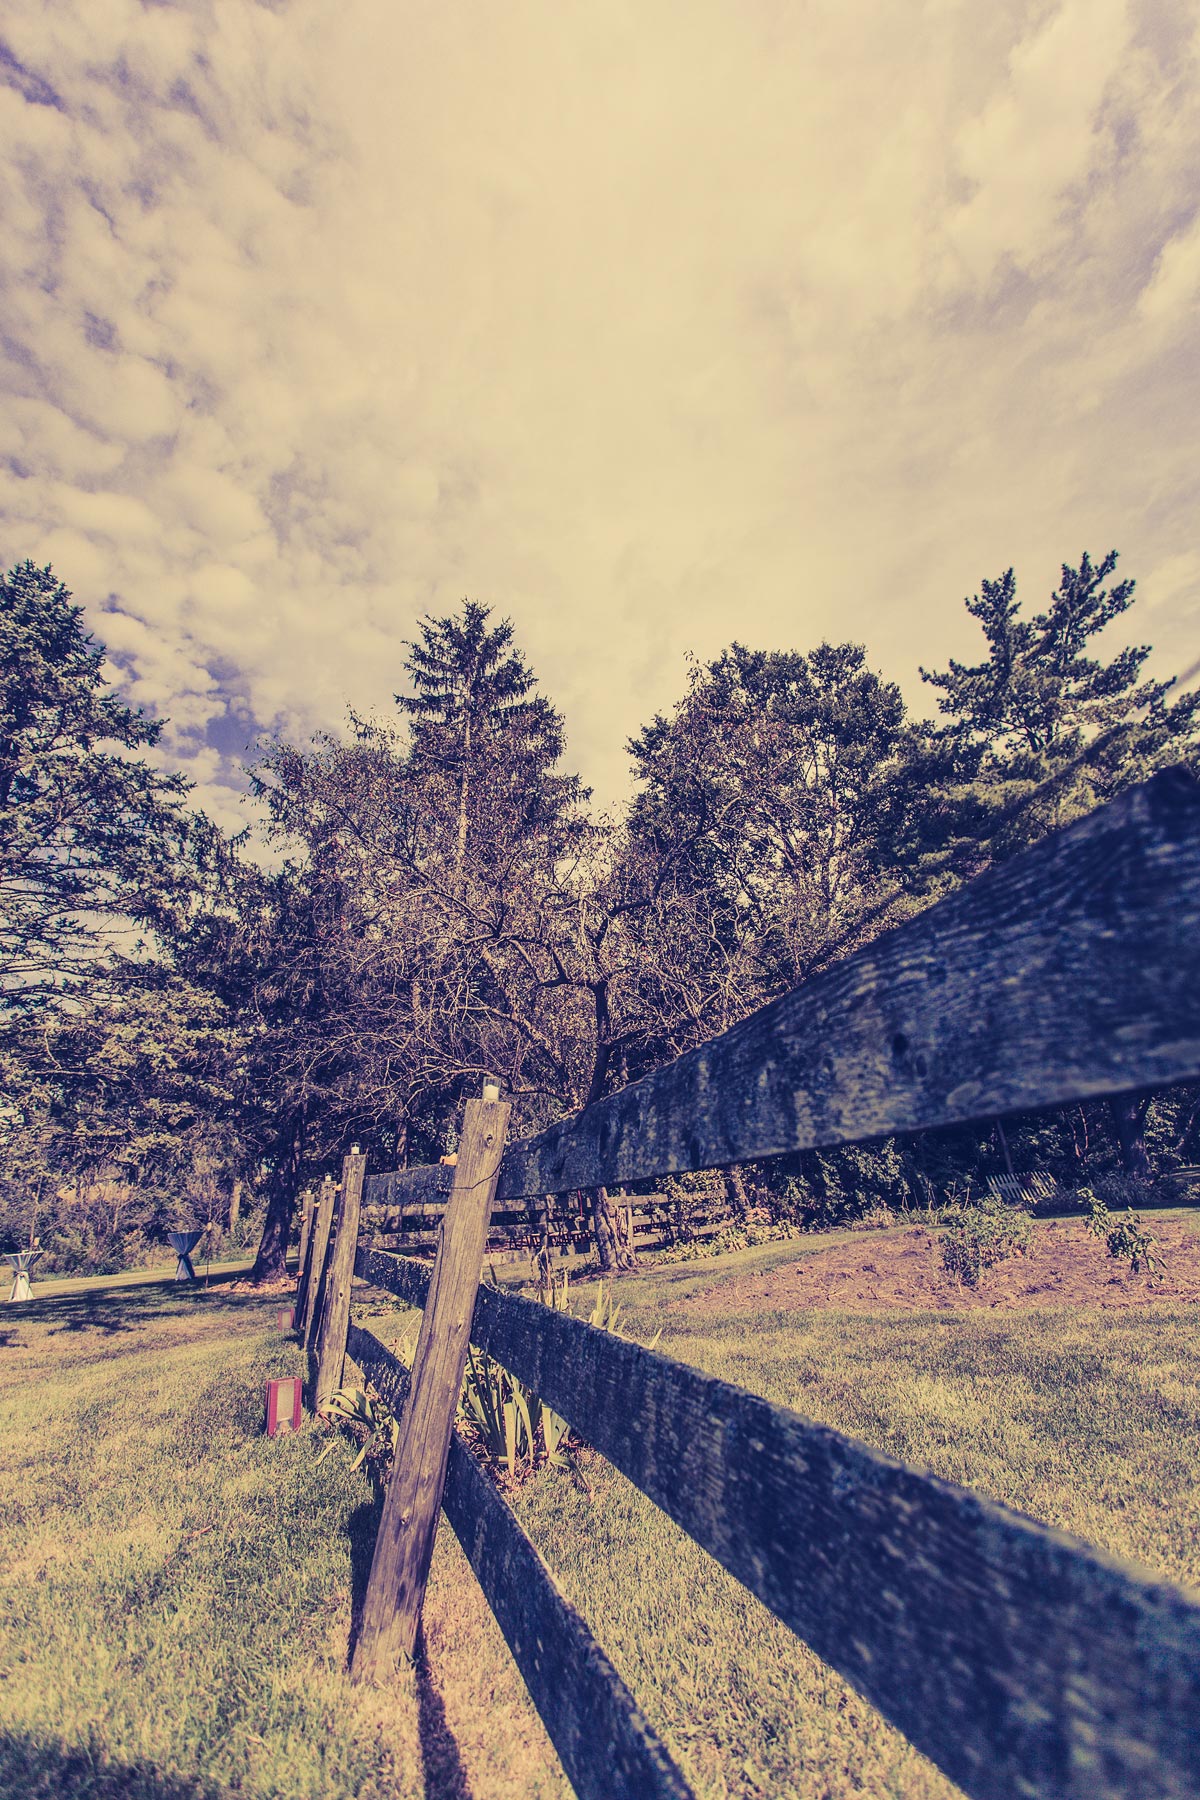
(130,1309)
(362,1527)
(445,1777)
(442,1766)
(83,1772)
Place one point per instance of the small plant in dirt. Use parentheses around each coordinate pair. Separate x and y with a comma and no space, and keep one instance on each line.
(506,1421)
(1125,1238)
(369,1420)
(985,1234)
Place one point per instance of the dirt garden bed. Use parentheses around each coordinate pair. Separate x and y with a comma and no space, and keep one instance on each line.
(1065,1265)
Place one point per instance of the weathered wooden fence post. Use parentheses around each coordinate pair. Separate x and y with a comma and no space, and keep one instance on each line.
(306,1224)
(404,1546)
(339,1276)
(318,1250)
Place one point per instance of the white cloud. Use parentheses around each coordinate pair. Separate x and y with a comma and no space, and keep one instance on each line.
(650,326)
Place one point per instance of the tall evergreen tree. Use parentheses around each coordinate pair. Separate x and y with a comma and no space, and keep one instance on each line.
(1044,727)
(111,1063)
(484,742)
(91,836)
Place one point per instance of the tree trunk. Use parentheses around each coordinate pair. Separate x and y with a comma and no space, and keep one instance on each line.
(612,1251)
(735,1189)
(235,1205)
(1129,1118)
(920,1187)
(463,791)
(1008,1168)
(1079,1134)
(271,1261)
(1187,1145)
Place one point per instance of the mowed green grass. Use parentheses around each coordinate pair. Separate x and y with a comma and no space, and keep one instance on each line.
(181,1590)
(1089,1423)
(178,1589)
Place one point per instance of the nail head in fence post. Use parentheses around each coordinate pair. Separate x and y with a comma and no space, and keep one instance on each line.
(283,1405)
(335,1313)
(318,1252)
(404,1545)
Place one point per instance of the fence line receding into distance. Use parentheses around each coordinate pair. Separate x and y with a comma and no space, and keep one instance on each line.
(1021,1661)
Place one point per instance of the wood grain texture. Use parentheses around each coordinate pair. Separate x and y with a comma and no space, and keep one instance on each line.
(411,1189)
(607,1749)
(398,1275)
(339,1277)
(1020,1660)
(310,1318)
(1073,970)
(307,1219)
(404,1544)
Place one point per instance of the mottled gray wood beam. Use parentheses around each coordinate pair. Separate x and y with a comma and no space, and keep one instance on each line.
(1072,971)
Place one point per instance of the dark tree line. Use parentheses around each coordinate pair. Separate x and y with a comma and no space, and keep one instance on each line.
(182,1024)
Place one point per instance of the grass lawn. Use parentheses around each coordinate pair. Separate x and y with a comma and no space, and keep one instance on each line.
(54,1287)
(179,1591)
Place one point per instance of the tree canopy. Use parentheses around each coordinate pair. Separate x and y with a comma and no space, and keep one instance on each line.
(439,906)
(92,837)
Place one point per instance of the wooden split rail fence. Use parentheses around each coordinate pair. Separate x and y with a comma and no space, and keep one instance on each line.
(651,1221)
(1020,1660)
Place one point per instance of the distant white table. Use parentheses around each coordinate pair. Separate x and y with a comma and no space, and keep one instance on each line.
(22,1261)
(183,1243)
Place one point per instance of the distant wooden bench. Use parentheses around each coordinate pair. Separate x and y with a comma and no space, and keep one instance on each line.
(1024,1190)
(1186,1178)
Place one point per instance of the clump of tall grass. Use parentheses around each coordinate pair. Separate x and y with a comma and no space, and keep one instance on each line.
(509,1426)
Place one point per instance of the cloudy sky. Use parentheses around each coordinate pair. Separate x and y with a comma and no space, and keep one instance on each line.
(651,324)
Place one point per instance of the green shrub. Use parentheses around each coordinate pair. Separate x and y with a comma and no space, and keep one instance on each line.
(986,1233)
(1120,1191)
(506,1420)
(370,1421)
(1127,1237)
(730,1237)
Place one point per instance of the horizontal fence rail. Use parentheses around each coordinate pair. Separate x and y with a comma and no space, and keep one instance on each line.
(1072,971)
(652,1220)
(607,1749)
(1020,1660)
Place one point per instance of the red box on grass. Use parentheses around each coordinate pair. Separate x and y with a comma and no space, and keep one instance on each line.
(286,1317)
(283,1406)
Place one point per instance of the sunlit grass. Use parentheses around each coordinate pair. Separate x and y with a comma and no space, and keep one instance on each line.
(178,1589)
